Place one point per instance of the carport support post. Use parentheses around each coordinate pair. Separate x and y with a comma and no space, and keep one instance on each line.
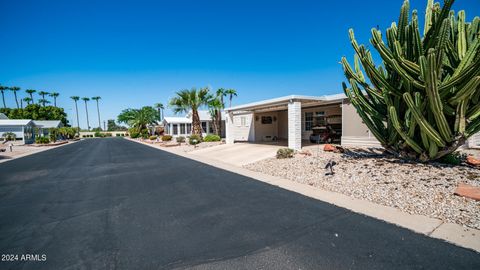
(294,125)
(228,128)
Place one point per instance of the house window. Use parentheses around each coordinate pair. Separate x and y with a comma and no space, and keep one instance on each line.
(175,129)
(189,128)
(204,127)
(319,119)
(237,121)
(266,120)
(243,121)
(308,121)
(182,128)
(210,128)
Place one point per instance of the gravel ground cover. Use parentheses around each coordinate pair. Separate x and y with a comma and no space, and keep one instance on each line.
(425,189)
(183,147)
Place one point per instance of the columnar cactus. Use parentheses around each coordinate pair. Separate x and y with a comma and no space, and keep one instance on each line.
(423,101)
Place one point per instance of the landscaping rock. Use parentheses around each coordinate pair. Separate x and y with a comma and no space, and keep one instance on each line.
(414,188)
(329,148)
(471,160)
(468,191)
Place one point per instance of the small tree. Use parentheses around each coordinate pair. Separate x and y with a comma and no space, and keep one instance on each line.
(423,102)
(191,100)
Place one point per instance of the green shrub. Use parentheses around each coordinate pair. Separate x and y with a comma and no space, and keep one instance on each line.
(108,134)
(194,139)
(42,140)
(285,153)
(9,136)
(153,138)
(134,134)
(166,138)
(98,134)
(455,158)
(212,138)
(180,139)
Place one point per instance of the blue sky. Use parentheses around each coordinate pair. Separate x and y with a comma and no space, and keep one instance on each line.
(136,53)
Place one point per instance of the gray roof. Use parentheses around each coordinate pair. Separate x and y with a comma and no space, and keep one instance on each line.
(15,122)
(3,116)
(48,123)
(284,100)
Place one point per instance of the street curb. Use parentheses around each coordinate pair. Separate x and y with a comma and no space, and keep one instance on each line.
(432,227)
(46,148)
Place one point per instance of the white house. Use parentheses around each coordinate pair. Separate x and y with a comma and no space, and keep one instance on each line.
(182,125)
(44,126)
(24,129)
(293,118)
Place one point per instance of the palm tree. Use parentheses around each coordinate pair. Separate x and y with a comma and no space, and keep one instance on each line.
(2,90)
(27,100)
(231,93)
(43,100)
(215,107)
(86,99)
(15,89)
(159,107)
(75,99)
(54,95)
(98,111)
(30,92)
(192,99)
(138,119)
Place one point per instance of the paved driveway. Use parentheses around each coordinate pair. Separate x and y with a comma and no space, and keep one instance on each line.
(238,154)
(116,204)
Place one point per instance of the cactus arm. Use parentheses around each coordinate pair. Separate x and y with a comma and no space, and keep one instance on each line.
(461,35)
(422,122)
(466,91)
(460,118)
(428,17)
(394,117)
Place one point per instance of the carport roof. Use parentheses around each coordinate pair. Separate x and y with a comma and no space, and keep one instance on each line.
(282,101)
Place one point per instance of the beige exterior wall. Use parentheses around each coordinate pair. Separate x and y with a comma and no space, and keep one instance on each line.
(264,130)
(282,124)
(354,131)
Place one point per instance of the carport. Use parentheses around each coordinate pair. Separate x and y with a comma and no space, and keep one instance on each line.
(290,118)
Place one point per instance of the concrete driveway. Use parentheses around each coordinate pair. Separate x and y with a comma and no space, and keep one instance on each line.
(115,204)
(238,154)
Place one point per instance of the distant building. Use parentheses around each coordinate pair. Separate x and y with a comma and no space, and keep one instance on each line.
(24,129)
(44,126)
(182,126)
(3,116)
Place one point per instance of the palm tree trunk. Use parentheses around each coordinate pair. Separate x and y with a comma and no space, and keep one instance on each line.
(55,101)
(16,100)
(78,119)
(218,120)
(86,110)
(231,97)
(196,126)
(98,112)
(3,98)
(21,103)
(31,96)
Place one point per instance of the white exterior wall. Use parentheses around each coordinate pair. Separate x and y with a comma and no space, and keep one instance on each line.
(295,125)
(240,127)
(474,141)
(265,132)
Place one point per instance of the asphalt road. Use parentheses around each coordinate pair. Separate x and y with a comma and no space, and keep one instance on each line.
(116,204)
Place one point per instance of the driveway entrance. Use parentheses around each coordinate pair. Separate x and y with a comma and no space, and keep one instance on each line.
(239,154)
